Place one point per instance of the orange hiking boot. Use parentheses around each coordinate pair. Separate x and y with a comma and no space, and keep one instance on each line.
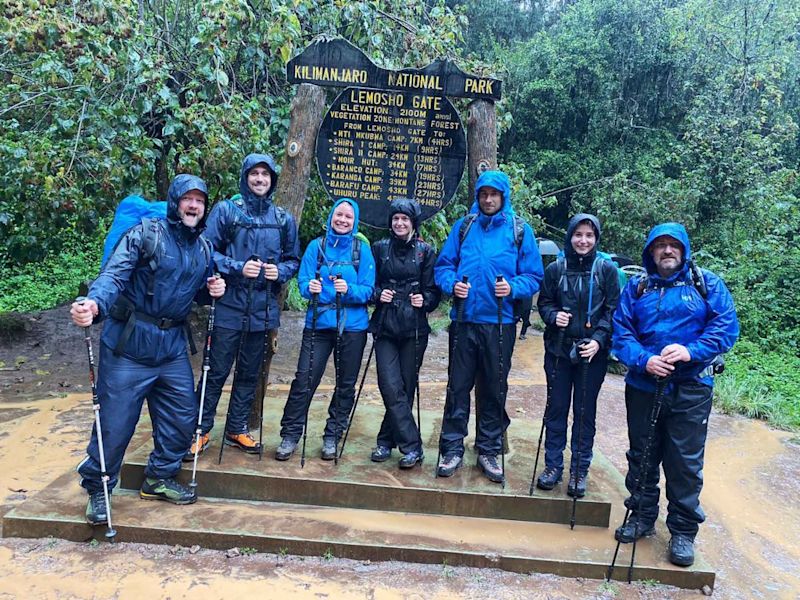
(243,441)
(204,441)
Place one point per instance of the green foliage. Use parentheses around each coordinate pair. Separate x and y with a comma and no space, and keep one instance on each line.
(117,97)
(54,279)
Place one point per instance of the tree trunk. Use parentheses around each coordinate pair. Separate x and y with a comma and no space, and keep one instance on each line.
(308,108)
(481,140)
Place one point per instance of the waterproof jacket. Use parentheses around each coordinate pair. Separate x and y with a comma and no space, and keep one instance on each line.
(336,256)
(405,266)
(182,266)
(583,277)
(487,251)
(672,311)
(247,226)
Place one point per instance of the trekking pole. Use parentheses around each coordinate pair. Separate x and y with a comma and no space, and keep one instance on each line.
(417,363)
(584,379)
(337,369)
(110,533)
(501,381)
(237,373)
(661,384)
(309,379)
(206,367)
(559,343)
(363,377)
(449,392)
(264,361)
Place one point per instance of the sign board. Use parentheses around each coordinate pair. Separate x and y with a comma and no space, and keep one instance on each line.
(375,146)
(336,62)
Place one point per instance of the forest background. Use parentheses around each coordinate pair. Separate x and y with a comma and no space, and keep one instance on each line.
(639,111)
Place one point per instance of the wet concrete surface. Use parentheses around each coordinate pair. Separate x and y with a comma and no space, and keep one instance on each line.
(751,498)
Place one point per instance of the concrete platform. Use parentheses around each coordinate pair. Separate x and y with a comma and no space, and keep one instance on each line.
(359,483)
(351,533)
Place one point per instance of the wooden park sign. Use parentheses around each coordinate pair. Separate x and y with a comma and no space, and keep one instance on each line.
(389,134)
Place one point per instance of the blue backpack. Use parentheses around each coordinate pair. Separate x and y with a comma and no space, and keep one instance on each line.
(130,212)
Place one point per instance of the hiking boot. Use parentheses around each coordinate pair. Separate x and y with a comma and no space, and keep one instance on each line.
(448,465)
(286,449)
(381,454)
(243,441)
(576,489)
(634,528)
(411,460)
(488,464)
(328,449)
(549,479)
(96,509)
(681,550)
(167,489)
(204,442)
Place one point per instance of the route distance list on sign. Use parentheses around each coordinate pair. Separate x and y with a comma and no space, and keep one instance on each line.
(378,145)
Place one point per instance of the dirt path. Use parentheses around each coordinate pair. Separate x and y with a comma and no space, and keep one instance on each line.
(751,497)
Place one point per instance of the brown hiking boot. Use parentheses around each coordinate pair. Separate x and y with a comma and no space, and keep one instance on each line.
(204,441)
(244,441)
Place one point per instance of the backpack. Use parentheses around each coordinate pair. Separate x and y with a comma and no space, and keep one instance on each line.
(561,262)
(241,219)
(519,234)
(132,211)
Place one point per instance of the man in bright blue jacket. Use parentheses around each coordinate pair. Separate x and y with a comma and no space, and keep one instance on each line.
(144,295)
(336,263)
(670,324)
(257,252)
(488,243)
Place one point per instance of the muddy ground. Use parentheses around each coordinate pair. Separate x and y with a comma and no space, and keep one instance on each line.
(752,476)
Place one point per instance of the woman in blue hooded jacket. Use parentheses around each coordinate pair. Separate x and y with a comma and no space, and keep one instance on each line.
(336,264)
(577,300)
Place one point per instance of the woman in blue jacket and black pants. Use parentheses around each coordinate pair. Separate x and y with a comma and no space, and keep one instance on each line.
(338,263)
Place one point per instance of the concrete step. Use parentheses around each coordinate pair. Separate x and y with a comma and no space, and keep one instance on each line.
(356,482)
(358,534)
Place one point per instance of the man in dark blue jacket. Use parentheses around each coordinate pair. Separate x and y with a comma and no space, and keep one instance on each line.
(255,245)
(495,243)
(670,324)
(144,294)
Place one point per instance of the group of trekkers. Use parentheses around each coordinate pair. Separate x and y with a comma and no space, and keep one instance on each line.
(666,327)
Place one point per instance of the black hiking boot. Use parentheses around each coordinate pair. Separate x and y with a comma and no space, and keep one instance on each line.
(167,489)
(549,479)
(96,509)
(448,465)
(488,465)
(681,550)
(285,449)
(634,528)
(381,454)
(576,489)
(411,459)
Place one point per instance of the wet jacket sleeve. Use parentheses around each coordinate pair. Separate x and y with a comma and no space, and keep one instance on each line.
(626,343)
(610,288)
(216,232)
(431,296)
(445,271)
(722,327)
(308,268)
(120,265)
(548,302)
(290,255)
(360,292)
(529,267)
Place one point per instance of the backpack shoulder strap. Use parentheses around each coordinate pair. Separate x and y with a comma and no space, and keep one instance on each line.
(151,248)
(320,255)
(561,264)
(355,256)
(466,225)
(698,279)
(283,222)
(519,231)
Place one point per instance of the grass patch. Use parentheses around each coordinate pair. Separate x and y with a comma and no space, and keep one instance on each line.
(760,385)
